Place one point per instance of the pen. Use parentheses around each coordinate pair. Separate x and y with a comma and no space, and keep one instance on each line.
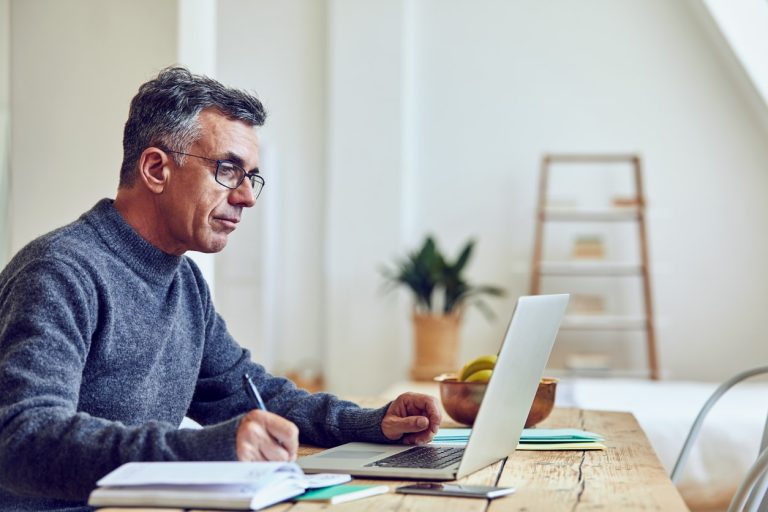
(253,393)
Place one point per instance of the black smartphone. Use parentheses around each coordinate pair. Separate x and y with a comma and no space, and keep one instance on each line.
(464,491)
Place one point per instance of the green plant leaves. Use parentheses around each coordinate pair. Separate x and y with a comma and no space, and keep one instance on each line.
(426,270)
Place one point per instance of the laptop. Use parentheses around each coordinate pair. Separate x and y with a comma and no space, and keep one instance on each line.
(499,422)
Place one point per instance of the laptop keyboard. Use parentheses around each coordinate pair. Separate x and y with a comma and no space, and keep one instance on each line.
(430,457)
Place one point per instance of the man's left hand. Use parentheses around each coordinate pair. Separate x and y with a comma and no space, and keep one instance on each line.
(413,417)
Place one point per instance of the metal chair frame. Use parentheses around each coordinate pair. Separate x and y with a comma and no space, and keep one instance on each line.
(751,494)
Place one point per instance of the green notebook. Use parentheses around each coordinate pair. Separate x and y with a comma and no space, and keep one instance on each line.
(342,493)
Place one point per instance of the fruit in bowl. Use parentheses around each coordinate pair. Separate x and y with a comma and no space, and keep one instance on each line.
(461,394)
(479,369)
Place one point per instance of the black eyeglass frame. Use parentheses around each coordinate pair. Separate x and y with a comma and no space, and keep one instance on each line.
(253,176)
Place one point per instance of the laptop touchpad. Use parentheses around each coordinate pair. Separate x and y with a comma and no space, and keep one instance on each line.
(351,454)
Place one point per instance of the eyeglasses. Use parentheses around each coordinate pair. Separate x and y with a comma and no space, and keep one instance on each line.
(231,175)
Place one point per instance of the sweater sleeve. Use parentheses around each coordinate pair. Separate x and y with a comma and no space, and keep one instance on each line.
(322,418)
(47,448)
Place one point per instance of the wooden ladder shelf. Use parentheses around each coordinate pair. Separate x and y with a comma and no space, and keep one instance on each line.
(635,212)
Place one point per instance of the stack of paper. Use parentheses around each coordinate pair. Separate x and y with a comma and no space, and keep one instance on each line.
(532,438)
(559,439)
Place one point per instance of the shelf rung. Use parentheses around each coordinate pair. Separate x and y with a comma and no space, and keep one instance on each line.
(588,158)
(599,322)
(589,268)
(596,215)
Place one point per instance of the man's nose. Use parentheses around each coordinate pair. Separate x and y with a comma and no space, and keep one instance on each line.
(243,195)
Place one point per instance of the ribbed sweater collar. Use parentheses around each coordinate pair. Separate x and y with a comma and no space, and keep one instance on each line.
(145,259)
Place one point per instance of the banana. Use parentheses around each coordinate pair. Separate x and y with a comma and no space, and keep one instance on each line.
(481,376)
(486,362)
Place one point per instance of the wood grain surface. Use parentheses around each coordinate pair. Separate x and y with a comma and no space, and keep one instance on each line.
(627,476)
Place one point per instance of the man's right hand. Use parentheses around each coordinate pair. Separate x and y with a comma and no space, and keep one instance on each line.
(262,435)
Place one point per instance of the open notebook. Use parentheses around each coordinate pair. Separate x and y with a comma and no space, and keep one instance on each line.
(217,485)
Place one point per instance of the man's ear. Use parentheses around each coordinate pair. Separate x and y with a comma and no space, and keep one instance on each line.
(153,171)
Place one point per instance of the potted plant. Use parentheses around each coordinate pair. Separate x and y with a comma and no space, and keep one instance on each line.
(440,293)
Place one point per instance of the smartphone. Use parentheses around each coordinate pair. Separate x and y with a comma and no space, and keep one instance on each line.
(465,491)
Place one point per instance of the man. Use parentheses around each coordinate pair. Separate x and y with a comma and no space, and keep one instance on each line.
(108,336)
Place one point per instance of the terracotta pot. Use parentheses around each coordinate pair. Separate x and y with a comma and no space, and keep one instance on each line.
(436,345)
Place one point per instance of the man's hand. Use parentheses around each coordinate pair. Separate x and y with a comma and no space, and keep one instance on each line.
(413,417)
(262,435)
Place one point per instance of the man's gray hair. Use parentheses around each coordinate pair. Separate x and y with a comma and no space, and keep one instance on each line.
(164,113)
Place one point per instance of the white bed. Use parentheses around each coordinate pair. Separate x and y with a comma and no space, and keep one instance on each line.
(727,445)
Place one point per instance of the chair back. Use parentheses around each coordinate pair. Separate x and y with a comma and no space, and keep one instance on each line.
(751,494)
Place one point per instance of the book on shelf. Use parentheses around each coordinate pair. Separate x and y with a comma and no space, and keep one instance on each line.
(586,304)
(588,247)
(217,485)
(589,362)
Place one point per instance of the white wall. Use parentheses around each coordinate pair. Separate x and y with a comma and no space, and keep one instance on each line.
(392,119)
(75,67)
(270,278)
(500,85)
(366,177)
(5,119)
(437,115)
(596,79)
(196,49)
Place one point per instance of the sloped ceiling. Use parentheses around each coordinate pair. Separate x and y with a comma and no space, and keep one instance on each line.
(744,27)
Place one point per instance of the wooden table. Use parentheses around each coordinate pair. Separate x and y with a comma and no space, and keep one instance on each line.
(626,476)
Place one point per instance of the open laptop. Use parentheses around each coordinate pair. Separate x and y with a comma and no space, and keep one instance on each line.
(499,423)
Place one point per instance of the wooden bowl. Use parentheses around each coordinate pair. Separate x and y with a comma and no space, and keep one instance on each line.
(543,402)
(461,400)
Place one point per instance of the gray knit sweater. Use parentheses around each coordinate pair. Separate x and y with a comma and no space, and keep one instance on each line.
(106,343)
